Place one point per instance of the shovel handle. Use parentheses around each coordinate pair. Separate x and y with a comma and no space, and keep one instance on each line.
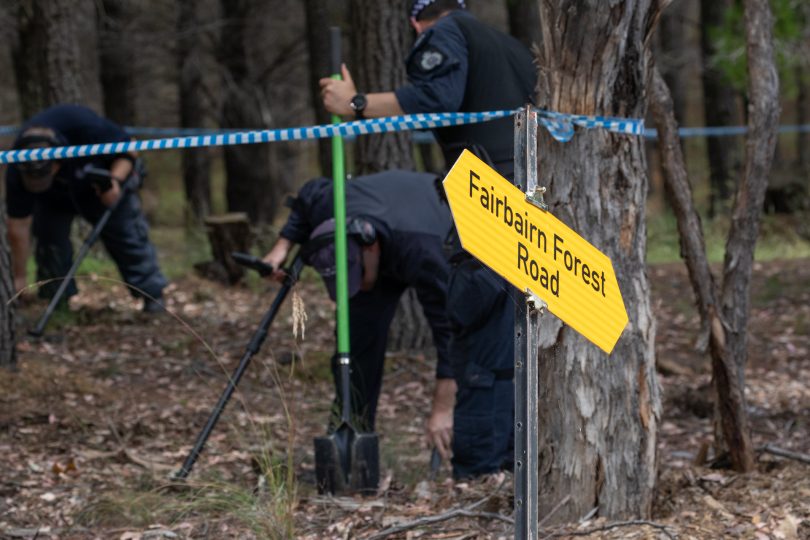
(334,43)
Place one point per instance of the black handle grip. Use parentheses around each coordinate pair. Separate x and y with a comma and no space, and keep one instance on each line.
(334,36)
(254,263)
(89,170)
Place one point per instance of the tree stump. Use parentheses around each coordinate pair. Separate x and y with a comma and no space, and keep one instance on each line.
(226,233)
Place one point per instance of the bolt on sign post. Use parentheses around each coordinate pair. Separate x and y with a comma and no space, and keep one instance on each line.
(508,228)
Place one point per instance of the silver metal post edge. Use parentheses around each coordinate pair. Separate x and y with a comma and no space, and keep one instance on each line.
(527,307)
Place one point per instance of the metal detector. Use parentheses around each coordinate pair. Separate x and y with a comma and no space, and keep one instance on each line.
(345,460)
(251,349)
(129,186)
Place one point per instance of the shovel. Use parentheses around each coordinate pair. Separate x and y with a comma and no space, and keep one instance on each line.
(345,460)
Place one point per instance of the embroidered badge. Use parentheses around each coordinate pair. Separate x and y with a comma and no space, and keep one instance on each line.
(430,60)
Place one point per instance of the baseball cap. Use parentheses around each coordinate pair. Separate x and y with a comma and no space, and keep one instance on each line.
(322,258)
(417,6)
(37,176)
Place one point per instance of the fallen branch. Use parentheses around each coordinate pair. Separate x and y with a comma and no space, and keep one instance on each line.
(467,511)
(609,526)
(124,451)
(776,451)
(438,518)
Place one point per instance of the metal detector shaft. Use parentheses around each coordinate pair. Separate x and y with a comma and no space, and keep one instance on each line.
(252,348)
(39,329)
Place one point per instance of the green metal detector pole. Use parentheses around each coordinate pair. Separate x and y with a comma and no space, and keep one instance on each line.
(341,267)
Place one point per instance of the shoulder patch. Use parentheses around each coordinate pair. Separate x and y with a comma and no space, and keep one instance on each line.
(430,58)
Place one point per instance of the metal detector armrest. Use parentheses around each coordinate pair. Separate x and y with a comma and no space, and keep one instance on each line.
(254,263)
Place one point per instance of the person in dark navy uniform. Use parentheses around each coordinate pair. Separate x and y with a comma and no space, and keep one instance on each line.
(459,64)
(43,197)
(396,225)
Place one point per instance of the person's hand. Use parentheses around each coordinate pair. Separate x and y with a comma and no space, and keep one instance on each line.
(276,257)
(109,197)
(21,293)
(337,94)
(439,428)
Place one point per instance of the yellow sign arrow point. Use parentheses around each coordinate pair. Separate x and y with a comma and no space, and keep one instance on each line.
(534,250)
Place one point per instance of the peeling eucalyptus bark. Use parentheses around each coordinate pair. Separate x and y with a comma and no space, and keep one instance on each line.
(599,414)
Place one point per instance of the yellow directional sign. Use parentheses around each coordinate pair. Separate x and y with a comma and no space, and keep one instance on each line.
(534,250)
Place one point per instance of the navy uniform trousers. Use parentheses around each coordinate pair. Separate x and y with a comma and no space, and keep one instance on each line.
(125,237)
(482,314)
(370,316)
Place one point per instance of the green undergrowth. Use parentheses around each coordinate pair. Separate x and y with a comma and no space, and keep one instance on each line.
(266,509)
(781,237)
(262,499)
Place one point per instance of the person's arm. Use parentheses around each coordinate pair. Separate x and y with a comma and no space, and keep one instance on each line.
(19,238)
(423,266)
(439,427)
(120,169)
(337,94)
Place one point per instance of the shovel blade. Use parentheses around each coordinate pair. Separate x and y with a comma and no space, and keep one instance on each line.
(364,464)
(328,471)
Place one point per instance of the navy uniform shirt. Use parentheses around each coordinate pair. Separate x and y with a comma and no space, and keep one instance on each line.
(463,65)
(73,125)
(437,69)
(411,224)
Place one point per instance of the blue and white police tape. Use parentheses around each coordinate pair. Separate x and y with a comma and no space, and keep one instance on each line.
(724,131)
(561,127)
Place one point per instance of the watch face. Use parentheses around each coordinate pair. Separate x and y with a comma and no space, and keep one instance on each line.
(358,102)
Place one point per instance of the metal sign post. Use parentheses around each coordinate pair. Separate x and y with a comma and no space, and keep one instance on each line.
(527,309)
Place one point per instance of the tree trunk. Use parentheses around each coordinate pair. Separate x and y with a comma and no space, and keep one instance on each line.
(318,41)
(226,234)
(802,116)
(47,61)
(760,143)
(191,85)
(599,416)
(62,65)
(720,109)
(524,21)
(380,40)
(379,44)
(8,353)
(673,56)
(250,183)
(117,59)
(729,394)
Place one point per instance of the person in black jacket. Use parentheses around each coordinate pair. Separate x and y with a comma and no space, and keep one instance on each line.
(43,197)
(396,227)
(459,64)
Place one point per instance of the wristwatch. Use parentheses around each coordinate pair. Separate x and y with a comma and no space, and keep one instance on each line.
(358,104)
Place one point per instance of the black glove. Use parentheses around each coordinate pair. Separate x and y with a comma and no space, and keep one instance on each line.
(100,178)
